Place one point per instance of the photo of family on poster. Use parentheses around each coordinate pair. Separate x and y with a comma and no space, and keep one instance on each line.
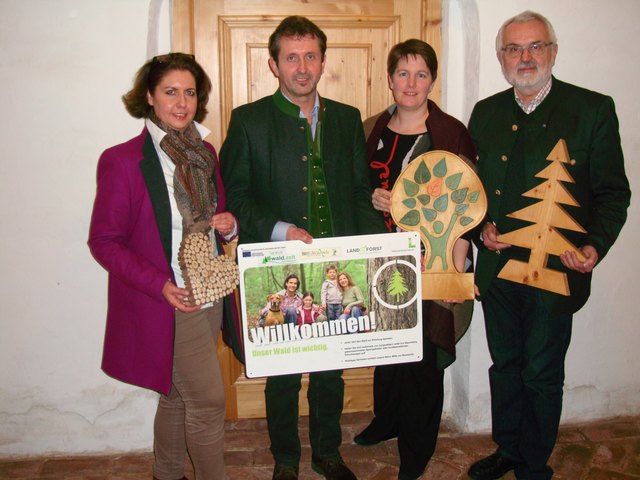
(354,306)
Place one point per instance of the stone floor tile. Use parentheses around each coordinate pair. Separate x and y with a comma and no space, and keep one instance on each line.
(443,471)
(77,465)
(572,461)
(597,474)
(20,468)
(595,451)
(615,428)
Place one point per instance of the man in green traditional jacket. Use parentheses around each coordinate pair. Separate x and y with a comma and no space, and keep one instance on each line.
(294,168)
(529,329)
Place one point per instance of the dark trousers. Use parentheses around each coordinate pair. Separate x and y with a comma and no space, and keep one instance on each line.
(407,404)
(325,395)
(528,345)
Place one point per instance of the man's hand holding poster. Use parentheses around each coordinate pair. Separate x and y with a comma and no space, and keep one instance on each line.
(336,303)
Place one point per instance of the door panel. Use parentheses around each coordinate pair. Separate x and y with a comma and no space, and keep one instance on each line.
(229,39)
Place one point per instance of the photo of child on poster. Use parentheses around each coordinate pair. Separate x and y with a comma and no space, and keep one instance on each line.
(336,303)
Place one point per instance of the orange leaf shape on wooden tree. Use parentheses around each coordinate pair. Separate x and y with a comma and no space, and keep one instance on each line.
(434,188)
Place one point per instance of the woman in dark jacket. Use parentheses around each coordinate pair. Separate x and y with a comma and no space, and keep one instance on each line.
(408,398)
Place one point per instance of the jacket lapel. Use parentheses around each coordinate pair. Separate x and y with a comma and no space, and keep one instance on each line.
(158,193)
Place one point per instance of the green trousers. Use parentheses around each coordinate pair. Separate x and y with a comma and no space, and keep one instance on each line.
(325,395)
(528,345)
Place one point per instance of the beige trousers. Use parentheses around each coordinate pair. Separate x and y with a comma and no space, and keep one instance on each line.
(191,418)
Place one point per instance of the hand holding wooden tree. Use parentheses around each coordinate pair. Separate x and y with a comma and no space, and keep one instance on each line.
(542,238)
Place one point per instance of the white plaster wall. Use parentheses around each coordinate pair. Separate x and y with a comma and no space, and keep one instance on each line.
(594,38)
(64,66)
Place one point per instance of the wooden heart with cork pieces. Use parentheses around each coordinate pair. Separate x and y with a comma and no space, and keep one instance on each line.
(207,277)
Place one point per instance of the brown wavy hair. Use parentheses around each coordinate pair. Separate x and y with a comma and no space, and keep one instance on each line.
(151,73)
(349,280)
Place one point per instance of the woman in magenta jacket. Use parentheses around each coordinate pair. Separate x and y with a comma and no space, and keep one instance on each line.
(151,191)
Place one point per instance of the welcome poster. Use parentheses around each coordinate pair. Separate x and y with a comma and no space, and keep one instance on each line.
(384,329)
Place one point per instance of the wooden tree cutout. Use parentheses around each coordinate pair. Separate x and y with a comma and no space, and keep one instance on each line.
(439,195)
(542,238)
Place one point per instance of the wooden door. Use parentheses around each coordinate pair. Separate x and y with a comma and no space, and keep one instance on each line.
(229,39)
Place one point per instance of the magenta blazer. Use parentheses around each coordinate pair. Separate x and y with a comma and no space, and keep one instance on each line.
(130,236)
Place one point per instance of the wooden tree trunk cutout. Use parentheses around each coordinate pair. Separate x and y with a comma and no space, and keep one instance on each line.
(542,238)
(439,195)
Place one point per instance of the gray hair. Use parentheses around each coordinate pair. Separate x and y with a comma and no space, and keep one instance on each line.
(523,17)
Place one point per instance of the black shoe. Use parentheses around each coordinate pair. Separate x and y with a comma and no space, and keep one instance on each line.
(369,436)
(332,468)
(285,472)
(404,476)
(492,467)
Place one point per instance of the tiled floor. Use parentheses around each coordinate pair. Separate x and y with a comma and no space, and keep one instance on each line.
(604,450)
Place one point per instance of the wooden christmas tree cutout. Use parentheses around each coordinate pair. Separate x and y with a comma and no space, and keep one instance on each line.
(440,196)
(542,238)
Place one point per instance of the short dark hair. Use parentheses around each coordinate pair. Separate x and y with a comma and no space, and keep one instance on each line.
(413,47)
(331,266)
(295,26)
(151,73)
(308,294)
(289,277)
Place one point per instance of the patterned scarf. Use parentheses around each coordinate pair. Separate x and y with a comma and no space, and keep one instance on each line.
(194,191)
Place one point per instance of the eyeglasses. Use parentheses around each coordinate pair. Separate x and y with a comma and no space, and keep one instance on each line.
(536,49)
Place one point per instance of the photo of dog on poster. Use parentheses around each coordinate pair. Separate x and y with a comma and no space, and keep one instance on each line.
(337,303)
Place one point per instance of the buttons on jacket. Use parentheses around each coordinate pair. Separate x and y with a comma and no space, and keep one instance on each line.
(305,189)
(498,192)
(503,158)
(514,127)
(304,158)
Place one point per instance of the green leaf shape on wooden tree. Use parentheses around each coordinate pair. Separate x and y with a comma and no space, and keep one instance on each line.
(464,221)
(424,199)
(453,181)
(429,214)
(438,227)
(460,209)
(422,174)
(411,218)
(410,188)
(440,168)
(441,203)
(473,197)
(409,202)
(459,195)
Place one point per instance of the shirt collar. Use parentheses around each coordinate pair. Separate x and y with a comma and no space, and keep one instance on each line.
(538,99)
(292,109)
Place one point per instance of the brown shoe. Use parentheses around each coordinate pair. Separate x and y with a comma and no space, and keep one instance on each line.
(332,468)
(183,478)
(285,472)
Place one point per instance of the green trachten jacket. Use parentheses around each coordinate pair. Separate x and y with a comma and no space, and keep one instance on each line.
(264,164)
(588,123)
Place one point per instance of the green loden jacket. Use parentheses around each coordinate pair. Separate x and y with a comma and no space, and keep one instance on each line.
(588,123)
(265,168)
